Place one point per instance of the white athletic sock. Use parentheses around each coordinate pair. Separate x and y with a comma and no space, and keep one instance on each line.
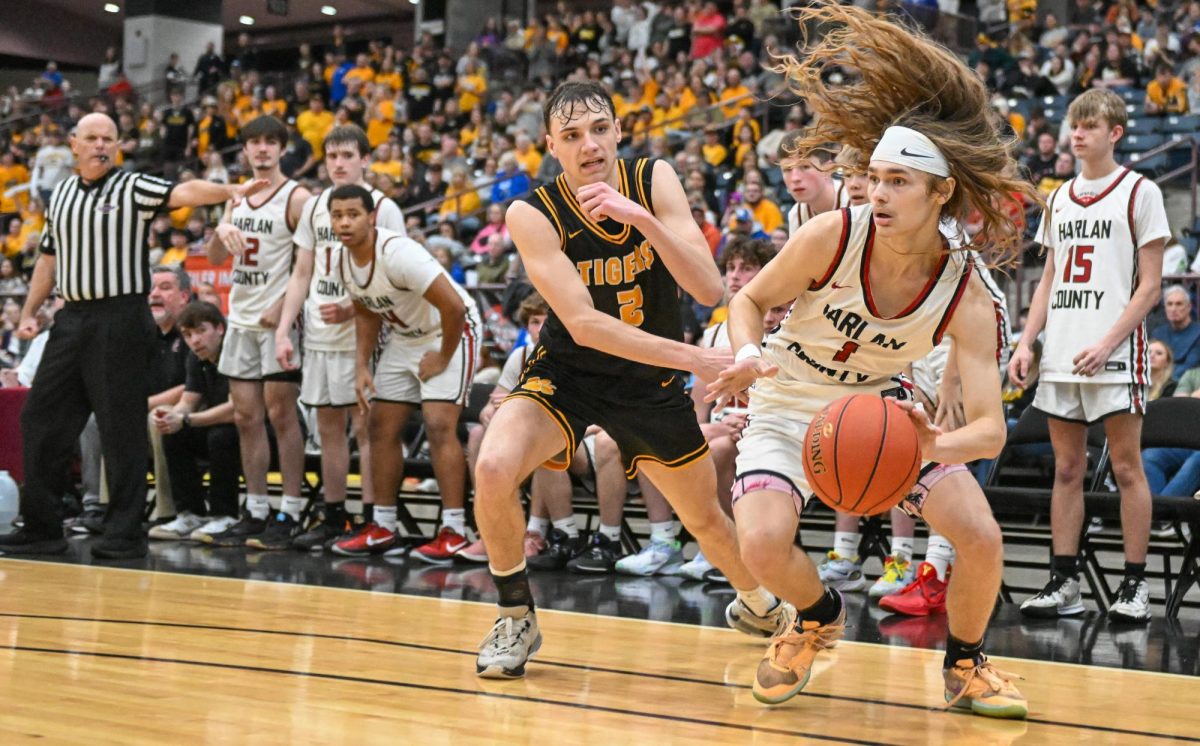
(940,554)
(386,517)
(902,545)
(612,532)
(91,500)
(456,520)
(292,506)
(540,525)
(663,532)
(567,526)
(259,506)
(758,600)
(845,543)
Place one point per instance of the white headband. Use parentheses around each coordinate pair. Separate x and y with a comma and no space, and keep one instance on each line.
(907,147)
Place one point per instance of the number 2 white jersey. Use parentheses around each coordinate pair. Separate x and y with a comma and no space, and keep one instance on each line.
(834,335)
(260,274)
(393,285)
(1095,228)
(315,233)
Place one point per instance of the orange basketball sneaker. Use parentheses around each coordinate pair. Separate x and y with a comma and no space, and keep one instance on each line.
(787,666)
(984,690)
(924,596)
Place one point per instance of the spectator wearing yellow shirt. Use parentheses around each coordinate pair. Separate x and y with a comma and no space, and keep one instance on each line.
(12,175)
(715,154)
(471,87)
(272,105)
(527,156)
(33,218)
(314,124)
(12,237)
(746,121)
(381,116)
(766,213)
(177,252)
(735,96)
(461,197)
(1166,94)
(384,163)
(470,131)
(389,76)
(362,70)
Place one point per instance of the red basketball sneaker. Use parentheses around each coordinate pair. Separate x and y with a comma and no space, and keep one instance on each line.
(371,539)
(442,549)
(924,596)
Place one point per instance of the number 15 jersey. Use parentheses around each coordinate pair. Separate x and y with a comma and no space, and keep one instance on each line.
(1095,228)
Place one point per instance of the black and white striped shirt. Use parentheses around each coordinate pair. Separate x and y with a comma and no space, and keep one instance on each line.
(98,234)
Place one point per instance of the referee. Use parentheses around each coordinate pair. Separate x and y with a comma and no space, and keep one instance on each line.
(99,355)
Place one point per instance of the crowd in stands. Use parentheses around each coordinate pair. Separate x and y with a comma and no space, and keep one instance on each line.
(456,134)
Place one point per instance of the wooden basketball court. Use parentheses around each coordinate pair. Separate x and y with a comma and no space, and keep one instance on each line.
(98,655)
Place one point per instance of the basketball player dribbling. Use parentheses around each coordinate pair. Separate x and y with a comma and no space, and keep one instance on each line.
(606,245)
(878,287)
(1105,230)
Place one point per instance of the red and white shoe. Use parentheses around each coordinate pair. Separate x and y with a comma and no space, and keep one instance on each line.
(476,552)
(534,543)
(371,539)
(924,596)
(442,549)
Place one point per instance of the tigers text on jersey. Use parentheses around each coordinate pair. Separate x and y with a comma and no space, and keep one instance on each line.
(260,274)
(802,213)
(835,336)
(393,285)
(621,270)
(315,233)
(1095,228)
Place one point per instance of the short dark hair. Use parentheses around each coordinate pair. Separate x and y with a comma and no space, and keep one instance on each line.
(562,101)
(788,148)
(353,191)
(183,279)
(754,251)
(348,134)
(199,312)
(267,126)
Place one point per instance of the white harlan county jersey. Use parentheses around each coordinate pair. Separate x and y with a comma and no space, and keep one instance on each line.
(1095,228)
(393,285)
(260,274)
(315,233)
(834,336)
(801,213)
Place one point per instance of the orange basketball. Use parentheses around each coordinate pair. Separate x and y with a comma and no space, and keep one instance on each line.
(861,454)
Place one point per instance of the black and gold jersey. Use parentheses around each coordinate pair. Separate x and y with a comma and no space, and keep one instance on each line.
(620,269)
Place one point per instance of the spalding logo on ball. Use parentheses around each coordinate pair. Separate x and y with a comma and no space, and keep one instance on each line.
(861,454)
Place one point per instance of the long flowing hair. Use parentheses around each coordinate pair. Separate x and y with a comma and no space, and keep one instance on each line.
(898,76)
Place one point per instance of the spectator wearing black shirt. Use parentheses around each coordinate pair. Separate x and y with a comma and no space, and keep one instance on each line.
(176,76)
(1041,163)
(245,57)
(297,160)
(178,129)
(210,69)
(1027,81)
(200,426)
(418,95)
(444,80)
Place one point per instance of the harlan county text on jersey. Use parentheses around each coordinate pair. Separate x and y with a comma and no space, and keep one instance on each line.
(1085,299)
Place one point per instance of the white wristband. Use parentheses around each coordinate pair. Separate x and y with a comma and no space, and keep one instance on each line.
(747,350)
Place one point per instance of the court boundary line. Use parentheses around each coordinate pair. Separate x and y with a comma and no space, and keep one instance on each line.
(440,689)
(590,615)
(580,667)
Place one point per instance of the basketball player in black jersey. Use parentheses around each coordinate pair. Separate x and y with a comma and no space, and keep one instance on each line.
(605,244)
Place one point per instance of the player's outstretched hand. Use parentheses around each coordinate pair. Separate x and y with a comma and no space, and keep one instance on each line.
(927,432)
(239,192)
(731,383)
(601,201)
(1019,365)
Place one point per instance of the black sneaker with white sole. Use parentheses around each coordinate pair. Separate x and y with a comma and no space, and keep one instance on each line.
(278,535)
(1060,597)
(237,534)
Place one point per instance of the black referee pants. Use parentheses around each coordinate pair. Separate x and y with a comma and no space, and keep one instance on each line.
(98,360)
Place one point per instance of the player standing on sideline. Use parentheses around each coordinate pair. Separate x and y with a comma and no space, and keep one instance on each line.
(258,233)
(328,370)
(605,245)
(1105,230)
(428,362)
(879,288)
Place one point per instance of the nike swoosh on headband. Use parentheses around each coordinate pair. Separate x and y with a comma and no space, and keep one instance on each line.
(904,151)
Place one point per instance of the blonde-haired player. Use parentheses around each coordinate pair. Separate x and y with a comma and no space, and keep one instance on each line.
(1104,231)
